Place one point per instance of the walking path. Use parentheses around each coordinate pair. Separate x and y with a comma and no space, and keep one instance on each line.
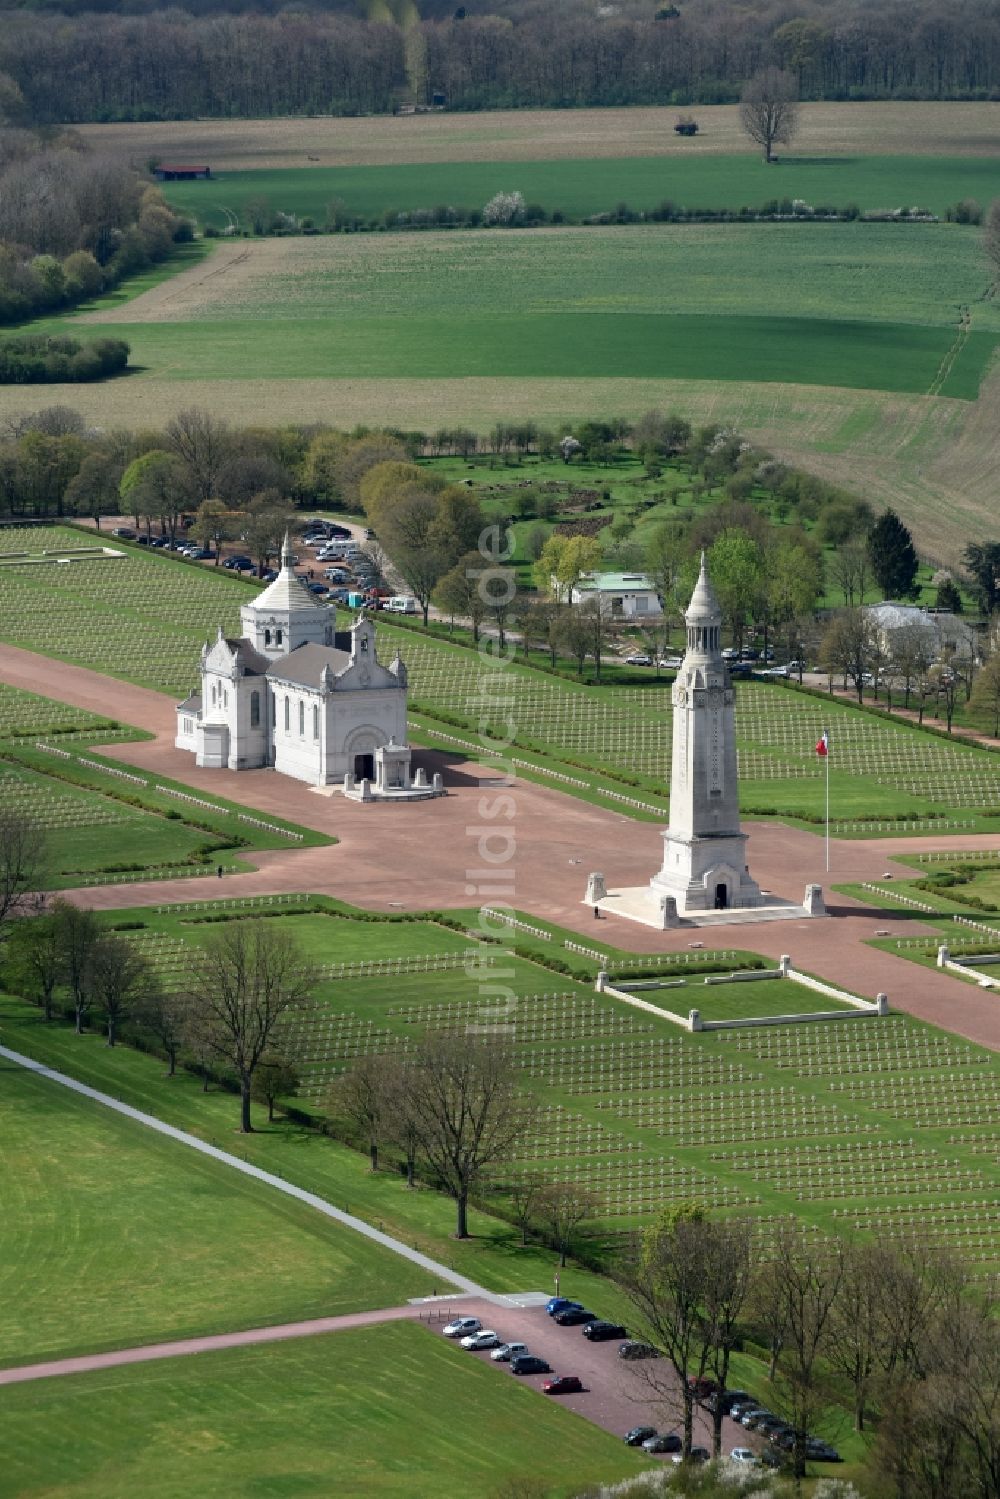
(88,1362)
(439,1272)
(430,855)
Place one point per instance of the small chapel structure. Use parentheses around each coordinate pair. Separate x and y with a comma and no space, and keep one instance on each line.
(296,694)
(704,849)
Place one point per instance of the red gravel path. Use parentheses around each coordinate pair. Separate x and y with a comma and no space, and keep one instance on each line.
(427,855)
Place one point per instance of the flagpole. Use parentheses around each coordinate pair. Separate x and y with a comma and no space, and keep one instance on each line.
(826,758)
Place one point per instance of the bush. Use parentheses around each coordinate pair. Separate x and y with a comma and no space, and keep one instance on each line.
(34,359)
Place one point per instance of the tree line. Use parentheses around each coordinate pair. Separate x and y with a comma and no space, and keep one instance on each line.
(74,223)
(36,359)
(205,61)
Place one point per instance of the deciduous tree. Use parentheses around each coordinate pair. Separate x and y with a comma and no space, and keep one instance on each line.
(562,1207)
(248,980)
(769,111)
(118,978)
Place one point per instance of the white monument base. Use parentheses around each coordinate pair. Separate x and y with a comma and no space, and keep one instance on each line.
(644,904)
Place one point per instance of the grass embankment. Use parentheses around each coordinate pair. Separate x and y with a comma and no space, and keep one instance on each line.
(113,1236)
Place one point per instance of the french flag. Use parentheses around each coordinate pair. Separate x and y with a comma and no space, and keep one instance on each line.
(823,745)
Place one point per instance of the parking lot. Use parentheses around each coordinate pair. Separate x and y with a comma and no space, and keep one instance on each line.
(617,1393)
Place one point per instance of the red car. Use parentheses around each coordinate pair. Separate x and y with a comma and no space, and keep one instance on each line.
(564,1384)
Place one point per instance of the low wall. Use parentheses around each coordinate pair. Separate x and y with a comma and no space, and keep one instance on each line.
(860,1009)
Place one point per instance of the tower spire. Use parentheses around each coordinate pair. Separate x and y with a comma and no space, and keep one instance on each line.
(286,553)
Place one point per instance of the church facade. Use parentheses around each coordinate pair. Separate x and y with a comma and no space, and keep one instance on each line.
(704,855)
(295,694)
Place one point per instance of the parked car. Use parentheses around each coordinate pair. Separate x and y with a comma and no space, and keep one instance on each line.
(730,653)
(529,1363)
(755,1419)
(667,1441)
(696,1455)
(239,564)
(142,541)
(702,1387)
(821,1452)
(740,1408)
(461,1327)
(603,1332)
(727,1400)
(744,1455)
(563,1384)
(562,1304)
(574,1316)
(506,1351)
(125,532)
(670,663)
(638,660)
(485,1338)
(632,1348)
(638,1435)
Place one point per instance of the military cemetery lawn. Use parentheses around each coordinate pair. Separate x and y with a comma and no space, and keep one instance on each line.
(390,1411)
(144,617)
(740,1000)
(855,305)
(881,1125)
(584,186)
(113,1236)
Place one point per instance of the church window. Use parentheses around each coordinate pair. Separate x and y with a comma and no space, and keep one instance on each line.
(315,721)
(302,719)
(225,698)
(255,710)
(277,637)
(288,710)
(213,694)
(274,712)
(267,637)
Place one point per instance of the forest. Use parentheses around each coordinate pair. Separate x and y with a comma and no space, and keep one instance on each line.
(232,58)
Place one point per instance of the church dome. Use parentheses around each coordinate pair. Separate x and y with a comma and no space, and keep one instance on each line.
(704,607)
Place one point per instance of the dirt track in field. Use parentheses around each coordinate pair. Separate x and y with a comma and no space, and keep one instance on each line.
(946,129)
(427,856)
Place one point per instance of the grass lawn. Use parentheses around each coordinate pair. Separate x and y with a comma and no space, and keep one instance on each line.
(388,1411)
(740,1001)
(584,187)
(112,1235)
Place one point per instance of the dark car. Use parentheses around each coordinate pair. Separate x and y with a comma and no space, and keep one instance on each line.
(638,1435)
(821,1452)
(697,1455)
(563,1384)
(603,1332)
(703,1388)
(238,564)
(632,1348)
(727,1400)
(561,1304)
(668,1441)
(529,1363)
(574,1316)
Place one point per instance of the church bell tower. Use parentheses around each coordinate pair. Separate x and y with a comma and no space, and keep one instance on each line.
(704,857)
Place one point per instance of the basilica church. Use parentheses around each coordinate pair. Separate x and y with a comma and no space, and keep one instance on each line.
(296,694)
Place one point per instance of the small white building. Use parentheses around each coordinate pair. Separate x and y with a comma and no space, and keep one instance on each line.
(945,633)
(626,596)
(295,694)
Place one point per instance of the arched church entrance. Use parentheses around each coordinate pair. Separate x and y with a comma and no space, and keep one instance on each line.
(364,767)
(721,896)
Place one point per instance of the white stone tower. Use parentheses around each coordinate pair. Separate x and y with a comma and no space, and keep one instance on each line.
(286,615)
(704,856)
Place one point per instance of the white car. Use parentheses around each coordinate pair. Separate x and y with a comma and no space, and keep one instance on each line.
(670,663)
(487,1338)
(744,1455)
(462,1327)
(638,660)
(507,1351)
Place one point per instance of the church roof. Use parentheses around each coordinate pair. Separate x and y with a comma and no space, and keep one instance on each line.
(251,660)
(287,593)
(304,667)
(704,604)
(191,704)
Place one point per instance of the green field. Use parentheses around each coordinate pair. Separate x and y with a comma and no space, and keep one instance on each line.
(583,187)
(851,305)
(391,1411)
(739,1001)
(112,1235)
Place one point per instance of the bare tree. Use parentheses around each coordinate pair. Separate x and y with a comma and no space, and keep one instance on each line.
(851,566)
(468,1111)
(849,646)
(524,1192)
(769,111)
(807,1280)
(562,1207)
(361,1094)
(22,866)
(856,1326)
(248,979)
(728,1246)
(402,1124)
(118,978)
(912,652)
(201,442)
